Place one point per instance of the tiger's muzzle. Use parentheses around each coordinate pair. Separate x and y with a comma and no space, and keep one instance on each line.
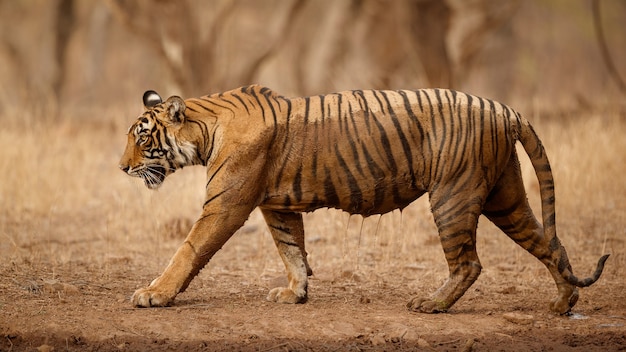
(152,175)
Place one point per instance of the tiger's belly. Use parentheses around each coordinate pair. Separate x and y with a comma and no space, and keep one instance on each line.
(365,197)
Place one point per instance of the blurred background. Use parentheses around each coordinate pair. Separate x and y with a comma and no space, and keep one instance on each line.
(70,56)
(72,74)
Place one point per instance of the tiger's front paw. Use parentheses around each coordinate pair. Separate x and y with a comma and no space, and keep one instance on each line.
(151,297)
(286,295)
(424,305)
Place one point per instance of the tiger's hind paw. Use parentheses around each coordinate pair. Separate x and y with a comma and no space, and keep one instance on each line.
(565,301)
(286,295)
(424,305)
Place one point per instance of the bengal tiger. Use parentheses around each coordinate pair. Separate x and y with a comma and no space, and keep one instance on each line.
(363,151)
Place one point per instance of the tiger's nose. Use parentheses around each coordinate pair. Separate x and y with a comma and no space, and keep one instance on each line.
(124,168)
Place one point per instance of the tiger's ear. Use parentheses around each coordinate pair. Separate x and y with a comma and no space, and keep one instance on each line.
(151,99)
(175,107)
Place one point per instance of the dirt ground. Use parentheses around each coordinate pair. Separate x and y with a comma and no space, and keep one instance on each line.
(83,304)
(79,236)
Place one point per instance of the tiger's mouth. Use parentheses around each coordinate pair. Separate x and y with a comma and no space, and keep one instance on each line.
(152,175)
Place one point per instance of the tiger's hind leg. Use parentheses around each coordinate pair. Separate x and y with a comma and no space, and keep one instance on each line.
(456,219)
(507,207)
(287,229)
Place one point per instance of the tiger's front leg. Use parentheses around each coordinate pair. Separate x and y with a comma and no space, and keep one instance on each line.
(206,237)
(287,229)
(162,290)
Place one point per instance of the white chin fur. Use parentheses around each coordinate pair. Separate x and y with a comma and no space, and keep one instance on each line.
(152,185)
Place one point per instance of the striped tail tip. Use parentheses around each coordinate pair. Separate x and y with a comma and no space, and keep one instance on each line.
(590,280)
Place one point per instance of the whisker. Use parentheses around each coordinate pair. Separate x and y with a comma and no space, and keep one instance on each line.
(157,172)
(152,178)
(152,174)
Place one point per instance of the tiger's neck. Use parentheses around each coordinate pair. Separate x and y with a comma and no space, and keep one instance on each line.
(197,134)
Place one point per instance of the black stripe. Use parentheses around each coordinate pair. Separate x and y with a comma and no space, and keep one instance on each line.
(212,101)
(435,172)
(224,98)
(430,152)
(274,116)
(330,193)
(403,140)
(213,198)
(409,109)
(259,103)
(384,140)
(205,136)
(555,244)
(494,129)
(481,128)
(288,112)
(288,243)
(457,213)
(315,155)
(517,229)
(352,142)
(454,210)
(470,138)
(242,102)
(355,127)
(315,202)
(456,135)
(356,196)
(280,228)
(564,265)
(189,107)
(365,108)
(307,102)
(216,172)
(210,152)
(378,174)
(453,93)
(549,221)
(418,94)
(454,235)
(340,118)
(461,266)
(285,230)
(321,98)
(297,184)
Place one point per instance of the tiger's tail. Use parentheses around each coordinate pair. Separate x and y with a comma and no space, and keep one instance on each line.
(533,147)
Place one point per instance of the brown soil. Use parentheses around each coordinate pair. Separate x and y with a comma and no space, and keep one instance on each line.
(83,304)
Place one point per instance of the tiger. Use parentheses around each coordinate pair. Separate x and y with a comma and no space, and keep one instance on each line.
(365,152)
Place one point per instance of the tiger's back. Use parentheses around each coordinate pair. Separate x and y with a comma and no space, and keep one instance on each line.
(366,152)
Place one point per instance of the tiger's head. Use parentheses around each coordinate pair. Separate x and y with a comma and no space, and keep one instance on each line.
(156,147)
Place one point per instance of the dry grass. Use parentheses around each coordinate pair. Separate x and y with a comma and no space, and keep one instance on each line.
(65,201)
